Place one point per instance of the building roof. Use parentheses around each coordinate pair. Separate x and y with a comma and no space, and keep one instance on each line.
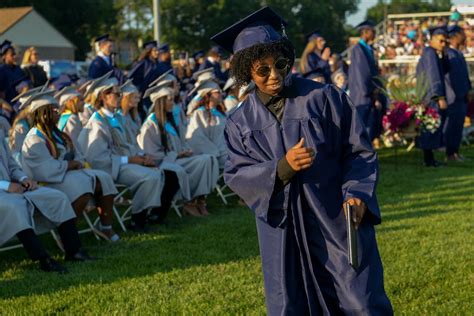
(10,16)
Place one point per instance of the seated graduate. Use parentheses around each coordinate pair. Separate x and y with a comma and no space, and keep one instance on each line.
(89,100)
(103,142)
(205,132)
(128,112)
(22,123)
(297,153)
(232,98)
(70,104)
(50,157)
(162,137)
(199,77)
(25,207)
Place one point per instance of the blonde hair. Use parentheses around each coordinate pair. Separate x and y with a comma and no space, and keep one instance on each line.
(124,104)
(310,47)
(71,105)
(27,55)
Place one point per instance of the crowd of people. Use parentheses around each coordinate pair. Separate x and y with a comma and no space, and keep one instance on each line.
(158,129)
(408,37)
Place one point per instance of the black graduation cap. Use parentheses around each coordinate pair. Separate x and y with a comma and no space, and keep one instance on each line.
(438,30)
(5,46)
(258,28)
(182,55)
(367,24)
(198,54)
(149,44)
(163,48)
(21,82)
(102,38)
(454,29)
(313,35)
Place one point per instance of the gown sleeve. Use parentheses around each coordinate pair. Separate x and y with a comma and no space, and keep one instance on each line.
(243,175)
(38,162)
(359,160)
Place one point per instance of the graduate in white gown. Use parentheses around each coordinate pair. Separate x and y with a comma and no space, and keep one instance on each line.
(89,100)
(50,157)
(71,105)
(128,112)
(26,208)
(205,132)
(162,137)
(103,142)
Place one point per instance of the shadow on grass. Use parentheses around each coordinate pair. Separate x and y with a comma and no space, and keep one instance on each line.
(228,235)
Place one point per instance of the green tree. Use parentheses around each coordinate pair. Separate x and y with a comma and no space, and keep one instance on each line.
(188,24)
(376,13)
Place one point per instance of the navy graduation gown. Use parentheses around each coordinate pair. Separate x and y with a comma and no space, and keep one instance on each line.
(99,67)
(143,73)
(10,75)
(458,85)
(301,228)
(431,67)
(316,62)
(217,69)
(362,83)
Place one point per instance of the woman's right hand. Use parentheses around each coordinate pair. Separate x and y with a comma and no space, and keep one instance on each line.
(16,188)
(74,165)
(300,157)
(136,160)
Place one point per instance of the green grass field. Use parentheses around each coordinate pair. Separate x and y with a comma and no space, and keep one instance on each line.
(212,265)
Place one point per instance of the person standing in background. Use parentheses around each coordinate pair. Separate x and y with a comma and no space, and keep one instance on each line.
(363,83)
(102,63)
(316,55)
(432,67)
(30,66)
(457,89)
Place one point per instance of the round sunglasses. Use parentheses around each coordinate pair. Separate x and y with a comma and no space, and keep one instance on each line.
(280,65)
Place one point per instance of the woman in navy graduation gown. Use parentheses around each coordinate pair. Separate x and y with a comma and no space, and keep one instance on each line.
(297,151)
(458,85)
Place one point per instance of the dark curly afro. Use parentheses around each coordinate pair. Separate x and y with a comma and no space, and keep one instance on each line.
(242,61)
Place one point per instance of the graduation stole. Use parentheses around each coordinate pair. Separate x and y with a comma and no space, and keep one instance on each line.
(115,132)
(63,119)
(51,142)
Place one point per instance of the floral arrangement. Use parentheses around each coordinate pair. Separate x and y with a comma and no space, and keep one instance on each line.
(408,115)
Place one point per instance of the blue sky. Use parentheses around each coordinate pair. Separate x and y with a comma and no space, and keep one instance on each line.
(358,17)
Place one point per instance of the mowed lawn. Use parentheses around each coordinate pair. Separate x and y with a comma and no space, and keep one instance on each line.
(212,266)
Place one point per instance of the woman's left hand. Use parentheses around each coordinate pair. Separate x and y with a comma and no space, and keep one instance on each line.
(358,208)
(29,185)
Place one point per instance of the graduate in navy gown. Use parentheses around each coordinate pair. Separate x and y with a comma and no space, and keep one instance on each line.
(10,72)
(297,151)
(164,63)
(102,63)
(457,89)
(316,55)
(213,60)
(364,87)
(432,67)
(145,70)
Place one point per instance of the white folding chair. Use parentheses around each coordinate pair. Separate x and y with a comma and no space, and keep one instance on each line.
(221,188)
(121,200)
(12,244)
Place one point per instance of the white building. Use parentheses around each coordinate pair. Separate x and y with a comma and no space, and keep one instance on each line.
(25,27)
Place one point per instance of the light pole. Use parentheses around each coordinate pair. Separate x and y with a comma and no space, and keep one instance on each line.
(156,20)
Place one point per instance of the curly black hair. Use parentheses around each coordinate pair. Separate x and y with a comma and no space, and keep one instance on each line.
(242,61)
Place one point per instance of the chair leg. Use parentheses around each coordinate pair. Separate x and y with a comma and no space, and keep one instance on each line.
(176,209)
(58,240)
